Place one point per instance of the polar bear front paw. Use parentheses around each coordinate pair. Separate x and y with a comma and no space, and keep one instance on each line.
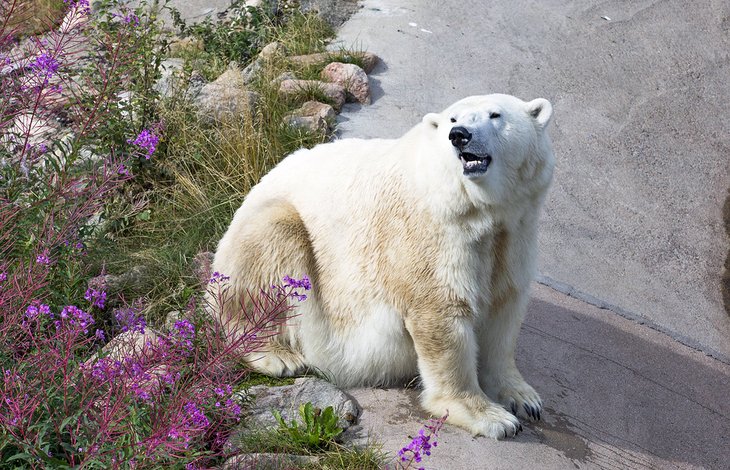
(496,423)
(477,414)
(520,397)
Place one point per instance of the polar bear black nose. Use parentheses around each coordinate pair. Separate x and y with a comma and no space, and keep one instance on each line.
(459,136)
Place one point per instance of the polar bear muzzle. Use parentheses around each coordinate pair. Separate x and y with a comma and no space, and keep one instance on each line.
(474,165)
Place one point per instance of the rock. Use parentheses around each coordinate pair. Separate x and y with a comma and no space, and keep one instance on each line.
(269,461)
(252,70)
(131,343)
(314,124)
(272,49)
(170,77)
(310,59)
(334,92)
(134,282)
(196,82)
(315,108)
(226,97)
(284,76)
(334,12)
(368,59)
(172,317)
(286,399)
(352,78)
(312,116)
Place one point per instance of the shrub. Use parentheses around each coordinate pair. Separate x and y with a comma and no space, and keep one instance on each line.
(151,399)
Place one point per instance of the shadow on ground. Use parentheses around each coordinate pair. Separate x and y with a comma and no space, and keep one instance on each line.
(617,395)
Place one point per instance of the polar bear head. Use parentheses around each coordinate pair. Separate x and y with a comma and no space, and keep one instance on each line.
(495,142)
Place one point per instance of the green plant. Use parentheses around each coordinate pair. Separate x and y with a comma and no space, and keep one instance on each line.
(318,429)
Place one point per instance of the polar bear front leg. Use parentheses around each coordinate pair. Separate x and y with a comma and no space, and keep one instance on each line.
(447,351)
(498,373)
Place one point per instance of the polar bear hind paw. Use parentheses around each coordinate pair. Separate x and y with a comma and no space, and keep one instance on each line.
(281,363)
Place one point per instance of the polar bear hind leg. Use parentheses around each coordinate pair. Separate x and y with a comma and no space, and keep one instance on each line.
(256,254)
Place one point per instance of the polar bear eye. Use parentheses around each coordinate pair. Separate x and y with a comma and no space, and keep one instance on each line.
(494,115)
(453,119)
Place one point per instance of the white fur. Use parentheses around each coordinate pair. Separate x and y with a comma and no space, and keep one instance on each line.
(377,210)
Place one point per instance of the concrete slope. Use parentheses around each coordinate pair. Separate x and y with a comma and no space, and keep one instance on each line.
(617,395)
(640,92)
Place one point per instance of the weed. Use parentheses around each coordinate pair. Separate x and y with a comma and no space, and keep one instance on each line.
(317,430)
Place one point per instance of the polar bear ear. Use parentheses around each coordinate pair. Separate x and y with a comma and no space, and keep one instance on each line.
(432,119)
(541,110)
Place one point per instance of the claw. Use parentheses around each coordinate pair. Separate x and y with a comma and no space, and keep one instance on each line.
(520,428)
(539,414)
(513,405)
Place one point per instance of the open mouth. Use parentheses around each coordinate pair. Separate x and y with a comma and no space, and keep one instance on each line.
(474,164)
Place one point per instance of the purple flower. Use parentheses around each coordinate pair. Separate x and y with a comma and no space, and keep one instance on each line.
(146,140)
(122,170)
(77,318)
(218,278)
(31,312)
(421,444)
(183,334)
(197,417)
(3,276)
(128,319)
(96,297)
(131,19)
(100,335)
(43,259)
(106,369)
(45,65)
(82,4)
(294,284)
(297,283)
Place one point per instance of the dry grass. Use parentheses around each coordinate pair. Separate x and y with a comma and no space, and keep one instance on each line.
(32,17)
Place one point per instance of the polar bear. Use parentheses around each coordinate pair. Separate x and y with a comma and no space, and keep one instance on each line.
(420,251)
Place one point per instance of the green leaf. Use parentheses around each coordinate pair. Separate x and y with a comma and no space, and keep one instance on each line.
(21,456)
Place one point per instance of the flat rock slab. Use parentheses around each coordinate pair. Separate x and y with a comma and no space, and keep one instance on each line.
(617,395)
(634,217)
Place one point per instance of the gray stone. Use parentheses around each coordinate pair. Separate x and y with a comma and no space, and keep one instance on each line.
(315,108)
(368,59)
(332,91)
(312,116)
(252,70)
(282,77)
(134,283)
(286,400)
(310,59)
(226,97)
(170,77)
(352,78)
(262,461)
(334,12)
(271,50)
(307,123)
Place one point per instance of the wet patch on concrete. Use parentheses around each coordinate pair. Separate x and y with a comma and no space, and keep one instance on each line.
(555,431)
